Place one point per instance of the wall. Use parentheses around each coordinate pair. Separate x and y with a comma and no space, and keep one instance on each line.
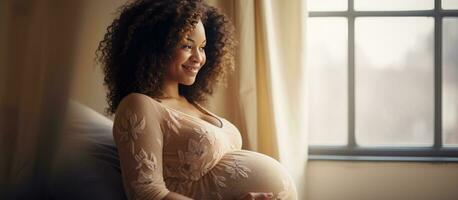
(338,180)
(87,83)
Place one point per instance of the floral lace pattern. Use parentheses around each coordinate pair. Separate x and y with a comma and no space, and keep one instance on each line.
(171,126)
(284,194)
(147,165)
(147,161)
(130,129)
(179,154)
(237,170)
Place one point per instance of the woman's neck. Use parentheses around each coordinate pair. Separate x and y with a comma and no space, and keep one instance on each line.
(170,90)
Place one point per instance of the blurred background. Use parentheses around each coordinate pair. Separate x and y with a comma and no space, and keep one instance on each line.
(370,82)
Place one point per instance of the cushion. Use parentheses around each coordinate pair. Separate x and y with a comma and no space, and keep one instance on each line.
(87,163)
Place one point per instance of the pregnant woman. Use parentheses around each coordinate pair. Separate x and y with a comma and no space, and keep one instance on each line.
(161,59)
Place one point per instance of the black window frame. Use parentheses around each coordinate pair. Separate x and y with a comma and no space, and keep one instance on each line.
(352,151)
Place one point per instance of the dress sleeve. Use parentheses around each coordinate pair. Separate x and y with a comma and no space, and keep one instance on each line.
(138,136)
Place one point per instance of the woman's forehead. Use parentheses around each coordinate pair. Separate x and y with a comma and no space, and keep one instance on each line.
(197,34)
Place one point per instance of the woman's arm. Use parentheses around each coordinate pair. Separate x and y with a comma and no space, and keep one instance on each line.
(139,139)
(176,196)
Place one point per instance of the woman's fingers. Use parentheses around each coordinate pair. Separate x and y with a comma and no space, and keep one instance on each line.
(258,196)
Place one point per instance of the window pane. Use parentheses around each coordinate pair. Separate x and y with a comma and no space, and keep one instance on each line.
(394,4)
(450,82)
(394,81)
(327,5)
(450,4)
(327,76)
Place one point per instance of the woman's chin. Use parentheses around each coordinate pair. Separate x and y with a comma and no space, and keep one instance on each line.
(188,82)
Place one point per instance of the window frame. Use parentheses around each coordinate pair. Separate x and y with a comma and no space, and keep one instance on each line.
(352,151)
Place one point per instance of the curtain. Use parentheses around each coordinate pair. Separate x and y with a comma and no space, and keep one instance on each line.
(268,84)
(36,63)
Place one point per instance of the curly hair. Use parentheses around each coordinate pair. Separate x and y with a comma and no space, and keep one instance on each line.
(139,44)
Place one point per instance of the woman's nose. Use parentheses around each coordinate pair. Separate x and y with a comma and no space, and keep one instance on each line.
(197,55)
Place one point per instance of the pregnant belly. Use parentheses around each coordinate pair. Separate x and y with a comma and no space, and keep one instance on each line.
(240,172)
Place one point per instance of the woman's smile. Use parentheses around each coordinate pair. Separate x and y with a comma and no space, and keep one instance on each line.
(191,69)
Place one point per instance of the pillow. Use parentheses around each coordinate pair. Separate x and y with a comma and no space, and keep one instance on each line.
(87,162)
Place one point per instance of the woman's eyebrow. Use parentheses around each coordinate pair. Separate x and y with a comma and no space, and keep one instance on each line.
(191,40)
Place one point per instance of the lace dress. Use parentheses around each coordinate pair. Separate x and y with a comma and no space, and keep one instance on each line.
(162,150)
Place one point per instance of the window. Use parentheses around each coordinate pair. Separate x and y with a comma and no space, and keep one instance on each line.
(383,78)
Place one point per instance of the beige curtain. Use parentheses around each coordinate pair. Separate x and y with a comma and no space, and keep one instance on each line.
(37,41)
(267,90)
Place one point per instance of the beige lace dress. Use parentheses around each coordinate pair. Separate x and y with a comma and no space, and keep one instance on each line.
(162,150)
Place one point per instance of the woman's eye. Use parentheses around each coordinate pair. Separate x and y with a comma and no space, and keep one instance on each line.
(202,48)
(187,46)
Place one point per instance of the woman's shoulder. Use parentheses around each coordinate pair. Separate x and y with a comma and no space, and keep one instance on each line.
(138,102)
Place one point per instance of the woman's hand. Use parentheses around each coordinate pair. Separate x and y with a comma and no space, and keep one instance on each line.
(257,196)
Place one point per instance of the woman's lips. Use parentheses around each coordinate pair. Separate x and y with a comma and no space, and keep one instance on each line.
(192,69)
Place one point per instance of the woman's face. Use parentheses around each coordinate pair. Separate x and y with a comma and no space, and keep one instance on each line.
(188,58)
